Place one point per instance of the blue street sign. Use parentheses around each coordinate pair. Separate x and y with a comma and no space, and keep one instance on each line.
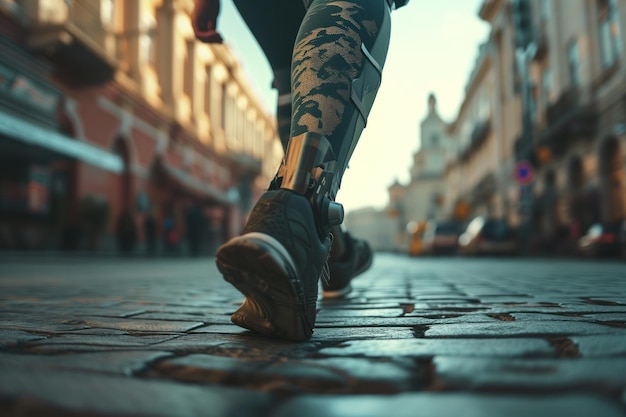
(524,173)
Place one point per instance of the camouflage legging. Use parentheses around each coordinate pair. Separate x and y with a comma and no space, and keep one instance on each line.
(325,57)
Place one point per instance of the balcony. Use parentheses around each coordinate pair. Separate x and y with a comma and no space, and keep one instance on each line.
(71,34)
(244,163)
(540,37)
(488,9)
(571,117)
(485,187)
(479,135)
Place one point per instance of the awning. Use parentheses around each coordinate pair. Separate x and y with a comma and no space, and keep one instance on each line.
(19,129)
(198,186)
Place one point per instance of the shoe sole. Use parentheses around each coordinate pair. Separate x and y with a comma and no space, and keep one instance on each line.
(337,293)
(260,267)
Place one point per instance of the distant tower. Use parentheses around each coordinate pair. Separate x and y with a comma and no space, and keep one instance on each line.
(423,193)
(432,104)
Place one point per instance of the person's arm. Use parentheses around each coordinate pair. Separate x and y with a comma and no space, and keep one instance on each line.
(204,20)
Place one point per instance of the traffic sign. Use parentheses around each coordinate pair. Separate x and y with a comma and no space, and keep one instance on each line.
(524,173)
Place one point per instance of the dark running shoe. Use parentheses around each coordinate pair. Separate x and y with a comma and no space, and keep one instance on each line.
(357,258)
(276,264)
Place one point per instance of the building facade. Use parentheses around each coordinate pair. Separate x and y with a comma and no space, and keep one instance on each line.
(421,199)
(119,129)
(571,62)
(540,135)
(424,192)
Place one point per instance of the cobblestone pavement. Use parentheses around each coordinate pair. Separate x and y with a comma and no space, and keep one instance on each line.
(427,337)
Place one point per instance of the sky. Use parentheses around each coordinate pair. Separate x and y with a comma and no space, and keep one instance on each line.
(433,47)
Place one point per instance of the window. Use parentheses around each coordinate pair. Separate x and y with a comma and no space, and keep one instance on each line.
(188,157)
(226,107)
(484,109)
(147,46)
(435,140)
(107,13)
(466,131)
(546,87)
(573,58)
(545,9)
(532,99)
(188,78)
(515,78)
(609,32)
(207,90)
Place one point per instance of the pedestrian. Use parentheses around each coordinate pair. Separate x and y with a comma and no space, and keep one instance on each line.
(170,234)
(194,229)
(327,57)
(126,233)
(149,229)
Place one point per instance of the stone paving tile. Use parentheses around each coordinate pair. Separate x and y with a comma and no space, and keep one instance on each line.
(451,317)
(531,374)
(38,325)
(361,313)
(371,322)
(111,395)
(416,318)
(219,328)
(277,375)
(193,315)
(432,347)
(334,334)
(216,362)
(355,304)
(617,317)
(367,375)
(598,346)
(167,316)
(95,331)
(446,405)
(217,308)
(10,337)
(138,325)
(91,342)
(123,363)
(192,342)
(591,308)
(247,345)
(460,337)
(550,317)
(514,328)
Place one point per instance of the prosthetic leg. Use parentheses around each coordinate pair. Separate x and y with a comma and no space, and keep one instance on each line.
(309,169)
(302,83)
(283,251)
(354,93)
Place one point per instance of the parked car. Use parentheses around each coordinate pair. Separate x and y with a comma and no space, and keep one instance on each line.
(415,231)
(601,240)
(488,236)
(441,238)
(622,238)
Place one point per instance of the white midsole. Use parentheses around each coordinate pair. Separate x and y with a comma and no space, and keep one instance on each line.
(337,293)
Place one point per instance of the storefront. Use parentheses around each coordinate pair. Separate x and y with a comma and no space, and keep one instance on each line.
(39,158)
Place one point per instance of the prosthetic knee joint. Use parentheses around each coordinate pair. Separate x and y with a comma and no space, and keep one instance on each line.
(309,169)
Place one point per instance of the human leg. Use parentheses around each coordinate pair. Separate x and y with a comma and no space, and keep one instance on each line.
(336,77)
(277,261)
(349,256)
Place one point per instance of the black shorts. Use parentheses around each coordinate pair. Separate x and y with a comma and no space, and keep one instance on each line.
(275,25)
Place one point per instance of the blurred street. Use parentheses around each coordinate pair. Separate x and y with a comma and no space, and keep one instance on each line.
(484,337)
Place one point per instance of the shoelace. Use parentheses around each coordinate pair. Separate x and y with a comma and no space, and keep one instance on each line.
(325,274)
